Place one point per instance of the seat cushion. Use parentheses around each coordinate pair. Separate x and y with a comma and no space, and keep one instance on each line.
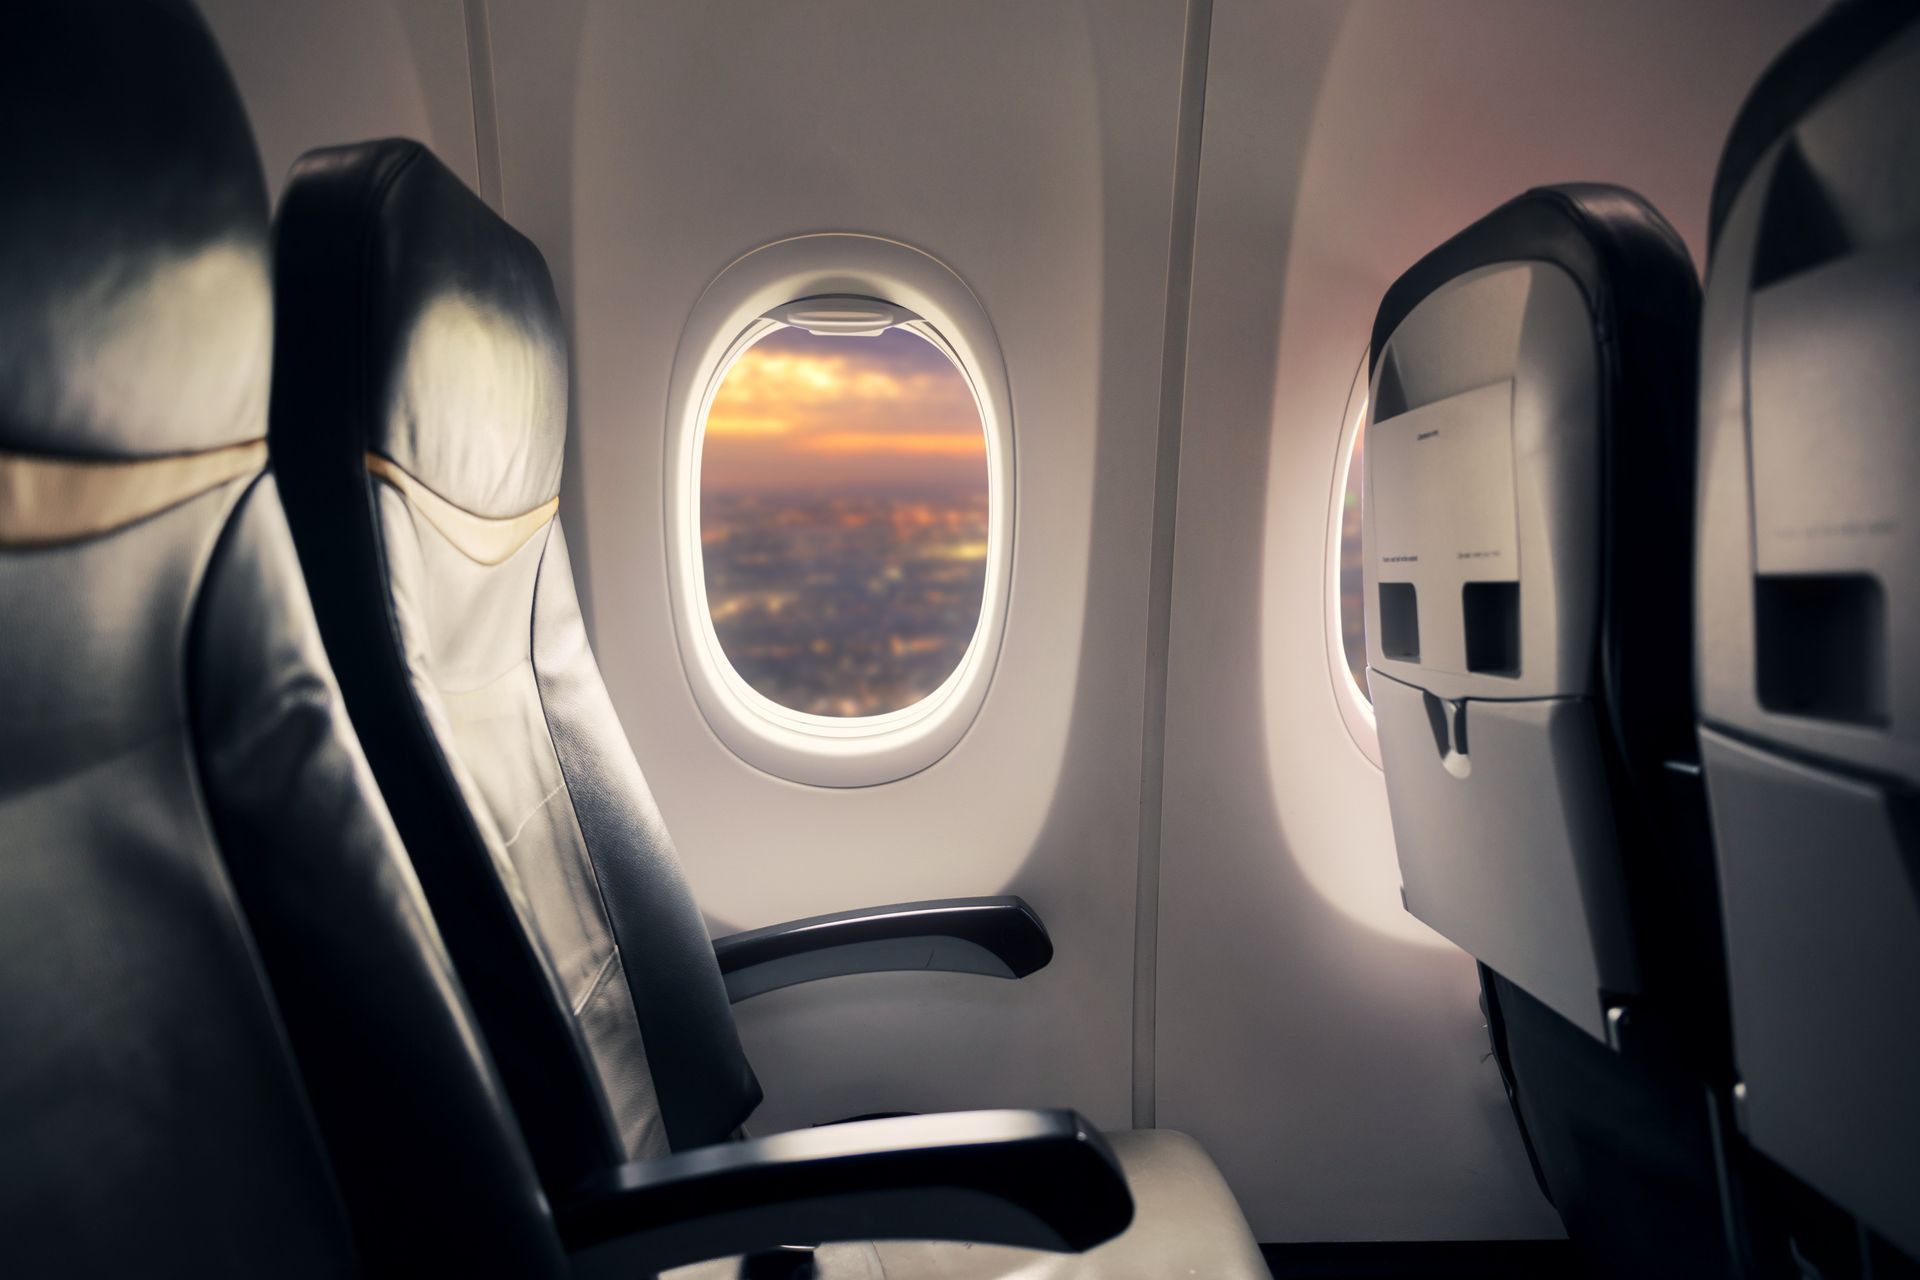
(1186,1223)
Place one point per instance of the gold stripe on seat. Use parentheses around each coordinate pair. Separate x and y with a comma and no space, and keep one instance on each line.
(483,539)
(47,500)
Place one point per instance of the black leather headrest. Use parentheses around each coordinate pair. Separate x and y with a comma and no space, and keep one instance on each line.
(464,350)
(1803,74)
(135,313)
(1607,238)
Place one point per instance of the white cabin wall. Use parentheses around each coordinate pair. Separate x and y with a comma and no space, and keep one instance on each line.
(1328,1050)
(314,75)
(1030,147)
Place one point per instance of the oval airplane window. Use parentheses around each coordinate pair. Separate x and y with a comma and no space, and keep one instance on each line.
(839,505)
(1346,567)
(844,514)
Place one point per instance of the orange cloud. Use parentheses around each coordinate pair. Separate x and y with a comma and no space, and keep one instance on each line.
(800,410)
(785,385)
(945,444)
(746,424)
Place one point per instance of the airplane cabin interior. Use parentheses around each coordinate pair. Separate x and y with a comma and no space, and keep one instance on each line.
(996,640)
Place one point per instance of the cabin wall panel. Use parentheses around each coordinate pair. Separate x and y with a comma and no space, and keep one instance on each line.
(1030,147)
(315,75)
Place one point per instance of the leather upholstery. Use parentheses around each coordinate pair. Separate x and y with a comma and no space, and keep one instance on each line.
(1183,1225)
(146,1086)
(466,368)
(45,501)
(419,417)
(112,277)
(417,1128)
(634,857)
(185,818)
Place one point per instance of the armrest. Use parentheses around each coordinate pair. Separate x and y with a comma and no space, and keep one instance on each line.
(1000,937)
(1033,1179)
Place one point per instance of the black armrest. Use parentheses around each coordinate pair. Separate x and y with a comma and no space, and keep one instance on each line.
(1001,937)
(1034,1179)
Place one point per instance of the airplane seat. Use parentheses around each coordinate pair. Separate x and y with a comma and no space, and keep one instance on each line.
(1527,513)
(1808,595)
(419,413)
(418,422)
(200,1075)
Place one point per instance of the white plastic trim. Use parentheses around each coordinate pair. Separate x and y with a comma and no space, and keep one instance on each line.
(730,315)
(1356,709)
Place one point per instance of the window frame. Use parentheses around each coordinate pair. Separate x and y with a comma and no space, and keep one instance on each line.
(1356,707)
(742,304)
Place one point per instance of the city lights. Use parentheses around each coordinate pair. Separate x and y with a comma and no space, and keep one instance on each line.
(843,520)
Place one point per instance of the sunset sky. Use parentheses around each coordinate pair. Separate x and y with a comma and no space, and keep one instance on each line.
(797,411)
